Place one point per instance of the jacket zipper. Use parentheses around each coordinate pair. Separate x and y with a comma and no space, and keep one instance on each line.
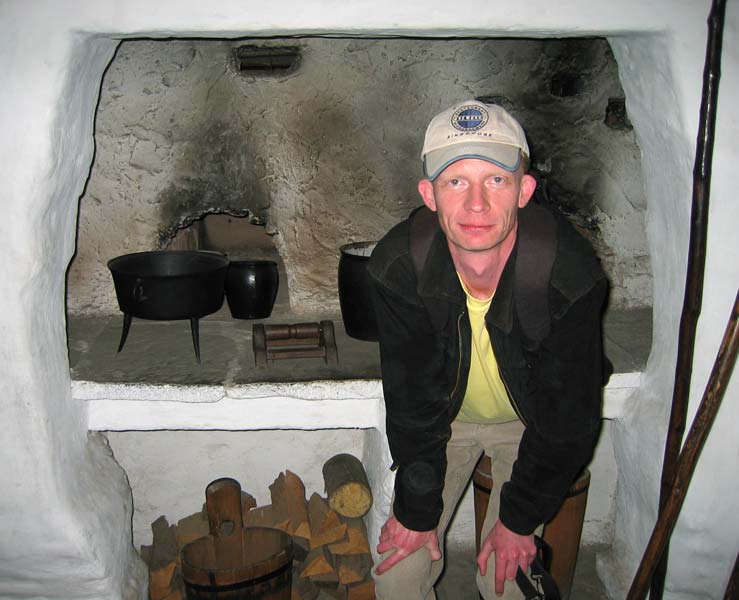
(459,343)
(510,397)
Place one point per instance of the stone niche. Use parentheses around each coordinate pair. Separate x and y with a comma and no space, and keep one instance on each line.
(315,142)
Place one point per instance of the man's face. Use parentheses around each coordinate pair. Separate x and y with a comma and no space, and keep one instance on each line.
(477,202)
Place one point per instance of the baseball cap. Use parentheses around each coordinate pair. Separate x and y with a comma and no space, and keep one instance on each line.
(473,129)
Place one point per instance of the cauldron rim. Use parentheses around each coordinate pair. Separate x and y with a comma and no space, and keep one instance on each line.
(128,265)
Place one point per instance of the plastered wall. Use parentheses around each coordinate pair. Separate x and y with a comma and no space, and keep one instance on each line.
(328,153)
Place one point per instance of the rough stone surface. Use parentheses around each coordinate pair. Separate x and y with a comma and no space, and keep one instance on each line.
(329,153)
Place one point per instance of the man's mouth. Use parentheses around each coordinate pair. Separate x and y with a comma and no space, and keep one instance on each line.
(473,228)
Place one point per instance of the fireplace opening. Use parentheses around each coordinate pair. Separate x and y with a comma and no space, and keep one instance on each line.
(239,237)
(191,153)
(328,153)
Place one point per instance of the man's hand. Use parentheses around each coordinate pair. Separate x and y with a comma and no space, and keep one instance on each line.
(511,551)
(405,542)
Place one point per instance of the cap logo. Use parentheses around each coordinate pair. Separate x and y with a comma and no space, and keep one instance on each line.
(470,118)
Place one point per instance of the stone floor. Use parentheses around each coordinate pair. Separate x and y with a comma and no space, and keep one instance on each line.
(458,580)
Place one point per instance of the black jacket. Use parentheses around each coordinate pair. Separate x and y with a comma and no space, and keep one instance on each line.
(555,385)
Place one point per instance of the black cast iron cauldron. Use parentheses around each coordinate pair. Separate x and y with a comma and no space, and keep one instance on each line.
(169,285)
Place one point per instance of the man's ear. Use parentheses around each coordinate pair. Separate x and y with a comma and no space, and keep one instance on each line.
(426,189)
(528,185)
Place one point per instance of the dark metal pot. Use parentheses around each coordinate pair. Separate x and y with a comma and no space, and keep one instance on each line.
(251,288)
(357,311)
(169,285)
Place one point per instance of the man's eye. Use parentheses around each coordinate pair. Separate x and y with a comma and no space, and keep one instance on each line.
(455,182)
(497,180)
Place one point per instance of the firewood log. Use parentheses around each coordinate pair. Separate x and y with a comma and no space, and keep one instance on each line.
(347,487)
(191,528)
(247,503)
(353,568)
(356,542)
(303,589)
(321,516)
(288,500)
(361,591)
(331,536)
(317,564)
(164,544)
(262,516)
(160,581)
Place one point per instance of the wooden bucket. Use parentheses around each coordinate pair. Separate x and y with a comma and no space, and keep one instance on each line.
(233,562)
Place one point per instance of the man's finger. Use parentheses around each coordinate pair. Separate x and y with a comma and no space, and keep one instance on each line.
(482,558)
(512,569)
(435,552)
(500,574)
(390,562)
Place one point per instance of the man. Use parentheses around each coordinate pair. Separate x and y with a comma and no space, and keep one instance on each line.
(469,364)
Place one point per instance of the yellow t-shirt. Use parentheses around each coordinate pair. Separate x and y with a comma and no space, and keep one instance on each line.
(486,399)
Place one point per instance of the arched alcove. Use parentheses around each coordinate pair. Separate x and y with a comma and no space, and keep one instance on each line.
(73,504)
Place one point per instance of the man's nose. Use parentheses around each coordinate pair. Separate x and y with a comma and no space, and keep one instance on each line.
(475,201)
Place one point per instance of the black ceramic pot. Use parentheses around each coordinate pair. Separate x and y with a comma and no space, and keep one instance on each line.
(357,311)
(251,288)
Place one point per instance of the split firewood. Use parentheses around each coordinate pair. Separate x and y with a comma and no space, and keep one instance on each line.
(301,549)
(353,568)
(288,500)
(337,534)
(175,595)
(247,503)
(317,564)
(329,592)
(160,581)
(164,544)
(356,542)
(326,580)
(301,541)
(347,487)
(261,516)
(303,589)
(321,516)
(361,591)
(191,528)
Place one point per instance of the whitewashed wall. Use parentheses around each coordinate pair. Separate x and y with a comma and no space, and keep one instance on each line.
(65,506)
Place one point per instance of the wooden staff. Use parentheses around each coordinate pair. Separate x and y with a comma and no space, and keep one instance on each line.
(696,266)
(732,588)
(720,375)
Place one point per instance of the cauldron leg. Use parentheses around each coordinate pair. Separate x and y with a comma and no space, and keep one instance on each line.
(195,337)
(124,333)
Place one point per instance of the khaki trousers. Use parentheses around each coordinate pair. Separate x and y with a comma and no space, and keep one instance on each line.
(414,577)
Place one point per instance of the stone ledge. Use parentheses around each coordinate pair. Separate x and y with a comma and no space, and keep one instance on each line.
(354,404)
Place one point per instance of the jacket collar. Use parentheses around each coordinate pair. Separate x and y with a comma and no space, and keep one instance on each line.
(438,282)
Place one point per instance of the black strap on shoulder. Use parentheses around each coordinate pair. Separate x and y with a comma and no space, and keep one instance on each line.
(423,228)
(537,235)
(537,247)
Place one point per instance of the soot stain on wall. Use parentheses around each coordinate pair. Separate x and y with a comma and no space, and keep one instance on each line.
(329,153)
(217,173)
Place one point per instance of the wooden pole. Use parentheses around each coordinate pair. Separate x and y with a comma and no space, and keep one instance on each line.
(699,430)
(732,588)
(696,266)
